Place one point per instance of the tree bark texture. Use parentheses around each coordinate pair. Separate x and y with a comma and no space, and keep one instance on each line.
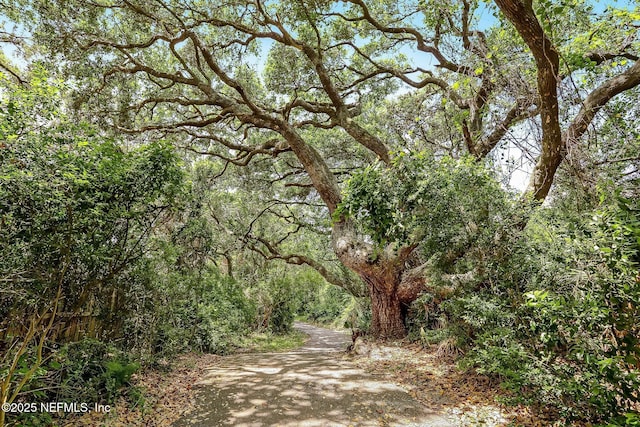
(387,315)
(522,16)
(392,284)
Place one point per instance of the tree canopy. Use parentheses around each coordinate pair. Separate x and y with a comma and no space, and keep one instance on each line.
(318,87)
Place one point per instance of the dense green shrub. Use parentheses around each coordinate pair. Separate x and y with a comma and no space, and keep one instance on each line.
(277,303)
(77,212)
(187,310)
(77,208)
(92,371)
(557,321)
(437,202)
(223,317)
(87,371)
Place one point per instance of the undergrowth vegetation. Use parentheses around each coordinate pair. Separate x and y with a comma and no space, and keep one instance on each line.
(556,320)
(110,264)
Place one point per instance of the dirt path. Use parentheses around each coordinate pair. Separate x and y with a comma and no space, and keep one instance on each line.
(311,386)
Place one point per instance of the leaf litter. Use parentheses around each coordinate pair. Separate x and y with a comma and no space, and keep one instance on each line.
(167,394)
(435,380)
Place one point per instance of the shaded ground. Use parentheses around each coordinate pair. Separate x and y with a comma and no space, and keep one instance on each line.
(311,386)
(431,375)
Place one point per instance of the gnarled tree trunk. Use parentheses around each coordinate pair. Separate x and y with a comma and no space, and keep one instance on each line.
(387,315)
(392,285)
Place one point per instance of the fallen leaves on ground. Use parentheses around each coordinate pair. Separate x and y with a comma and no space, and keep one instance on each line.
(167,396)
(467,399)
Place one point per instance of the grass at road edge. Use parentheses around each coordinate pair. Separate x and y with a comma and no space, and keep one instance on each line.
(266,342)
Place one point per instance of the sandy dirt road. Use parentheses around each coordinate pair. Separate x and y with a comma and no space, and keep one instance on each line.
(311,386)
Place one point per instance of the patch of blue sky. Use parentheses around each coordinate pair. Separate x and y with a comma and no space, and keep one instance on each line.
(10,50)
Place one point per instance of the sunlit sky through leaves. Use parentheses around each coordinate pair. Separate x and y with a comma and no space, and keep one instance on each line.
(511,158)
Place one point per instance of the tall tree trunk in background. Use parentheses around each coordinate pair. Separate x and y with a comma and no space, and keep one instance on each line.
(555,143)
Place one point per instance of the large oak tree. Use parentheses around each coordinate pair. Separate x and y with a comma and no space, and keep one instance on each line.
(196,72)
